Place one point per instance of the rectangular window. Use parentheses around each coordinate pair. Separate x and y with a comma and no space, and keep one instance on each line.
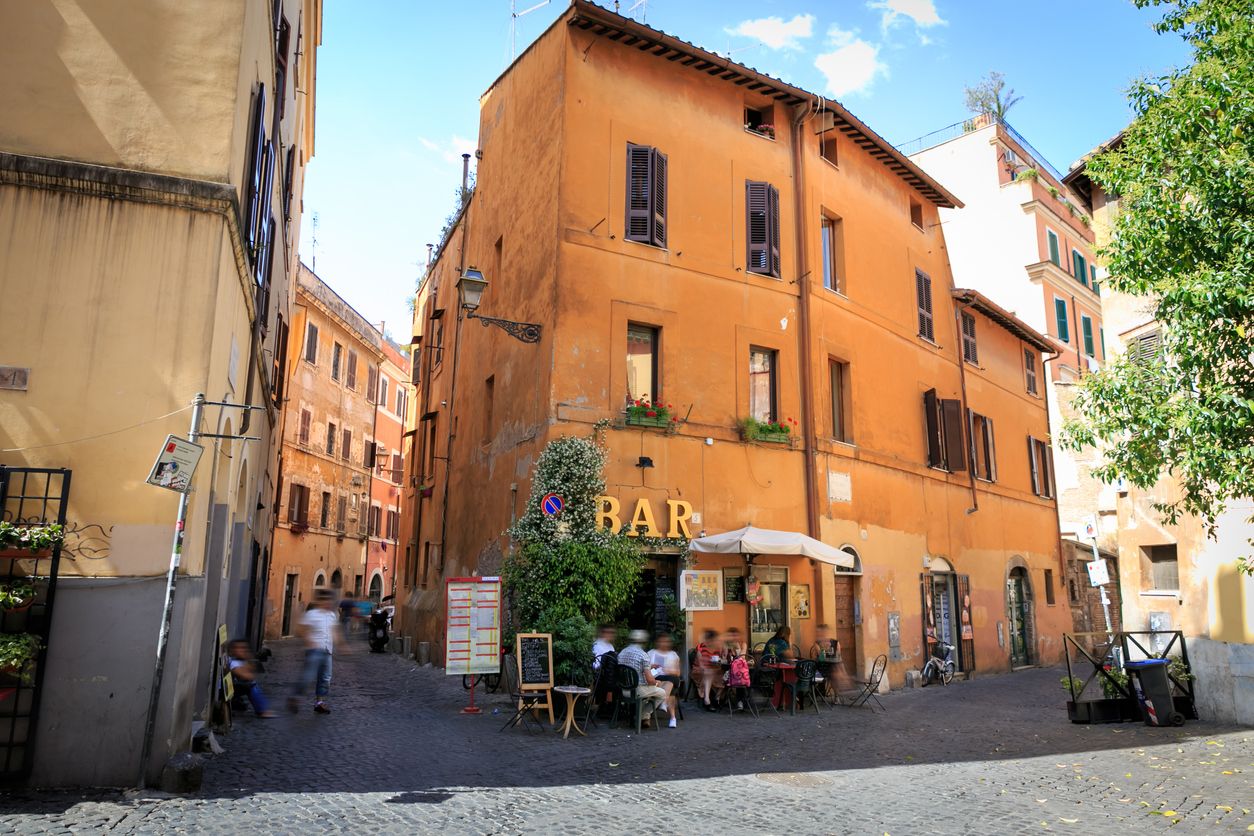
(373,528)
(298,504)
(646,195)
(1093,279)
(372,379)
(943,426)
(383,391)
(762,384)
(1080,267)
(969,352)
(923,292)
(916,213)
(1049,587)
(1060,317)
(842,405)
(398,468)
(1041,462)
(642,363)
(311,343)
(369,453)
(341,513)
(1086,331)
(394,525)
(347,447)
(983,447)
(402,400)
(832,233)
(350,370)
(489,405)
(1051,239)
(827,146)
(306,419)
(760,120)
(279,368)
(1164,567)
(331,438)
(337,357)
(1029,370)
(762,227)
(1146,347)
(325,520)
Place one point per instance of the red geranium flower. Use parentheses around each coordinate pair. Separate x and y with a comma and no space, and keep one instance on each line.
(651,414)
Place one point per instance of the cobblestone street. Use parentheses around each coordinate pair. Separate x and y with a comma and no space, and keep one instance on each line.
(995,755)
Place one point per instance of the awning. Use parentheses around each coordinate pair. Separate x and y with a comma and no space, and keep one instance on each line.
(750,540)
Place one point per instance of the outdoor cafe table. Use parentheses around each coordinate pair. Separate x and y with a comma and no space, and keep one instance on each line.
(572,694)
(787,675)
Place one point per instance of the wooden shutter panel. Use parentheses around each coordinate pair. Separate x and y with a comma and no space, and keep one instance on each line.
(923,291)
(289,173)
(932,426)
(1034,466)
(927,610)
(772,198)
(1047,477)
(639,193)
(254,174)
(966,646)
(368,455)
(659,198)
(1053,248)
(991,445)
(757,233)
(969,352)
(350,373)
(955,450)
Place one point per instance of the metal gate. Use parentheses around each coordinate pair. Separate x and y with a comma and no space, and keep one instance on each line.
(29,497)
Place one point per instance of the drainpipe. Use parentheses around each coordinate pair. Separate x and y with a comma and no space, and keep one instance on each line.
(966,412)
(804,335)
(1049,430)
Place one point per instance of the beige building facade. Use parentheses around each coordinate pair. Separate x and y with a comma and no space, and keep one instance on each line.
(151,166)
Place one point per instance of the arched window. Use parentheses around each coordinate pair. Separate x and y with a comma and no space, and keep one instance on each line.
(376,587)
(320,579)
(337,579)
(857,561)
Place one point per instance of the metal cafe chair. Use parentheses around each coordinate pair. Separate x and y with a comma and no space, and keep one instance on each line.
(871,685)
(763,681)
(628,695)
(804,685)
(527,701)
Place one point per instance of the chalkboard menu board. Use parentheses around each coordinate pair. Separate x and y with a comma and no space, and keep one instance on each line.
(733,587)
(535,661)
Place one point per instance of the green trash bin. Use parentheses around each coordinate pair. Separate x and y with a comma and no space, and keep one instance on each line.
(1153,691)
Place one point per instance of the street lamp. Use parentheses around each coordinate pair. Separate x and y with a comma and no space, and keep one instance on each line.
(470,289)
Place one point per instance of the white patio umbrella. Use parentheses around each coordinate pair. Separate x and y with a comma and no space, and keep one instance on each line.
(750,540)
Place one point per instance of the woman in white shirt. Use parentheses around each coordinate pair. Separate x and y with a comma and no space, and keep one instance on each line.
(666,669)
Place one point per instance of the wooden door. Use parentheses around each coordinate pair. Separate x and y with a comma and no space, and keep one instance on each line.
(843,621)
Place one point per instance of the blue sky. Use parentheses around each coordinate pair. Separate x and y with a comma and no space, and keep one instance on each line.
(399,84)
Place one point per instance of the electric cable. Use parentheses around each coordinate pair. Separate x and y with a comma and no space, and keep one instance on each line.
(94,437)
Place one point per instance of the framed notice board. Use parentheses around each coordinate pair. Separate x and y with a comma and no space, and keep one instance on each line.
(733,586)
(472,626)
(535,661)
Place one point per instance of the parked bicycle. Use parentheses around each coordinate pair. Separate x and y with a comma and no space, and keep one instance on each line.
(939,667)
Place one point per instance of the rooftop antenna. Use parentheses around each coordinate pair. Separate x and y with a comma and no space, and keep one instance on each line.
(314,245)
(514,14)
(643,6)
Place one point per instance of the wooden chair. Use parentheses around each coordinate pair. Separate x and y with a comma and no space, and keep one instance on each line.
(871,685)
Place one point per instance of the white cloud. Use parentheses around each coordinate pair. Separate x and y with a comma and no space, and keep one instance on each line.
(776,32)
(450,149)
(852,65)
(922,12)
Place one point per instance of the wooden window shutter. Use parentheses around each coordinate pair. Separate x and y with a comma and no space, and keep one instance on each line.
(757,227)
(932,426)
(1034,466)
(990,445)
(659,198)
(927,609)
(955,449)
(966,642)
(311,343)
(305,419)
(1053,248)
(923,291)
(1047,477)
(639,193)
(254,174)
(289,173)
(368,455)
(969,352)
(292,491)
(772,199)
(350,373)
(346,448)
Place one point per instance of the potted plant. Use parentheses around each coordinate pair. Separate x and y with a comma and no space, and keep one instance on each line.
(1028,174)
(16,650)
(778,432)
(17,595)
(644,413)
(29,540)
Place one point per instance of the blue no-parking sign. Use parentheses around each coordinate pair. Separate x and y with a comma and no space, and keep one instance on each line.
(552,504)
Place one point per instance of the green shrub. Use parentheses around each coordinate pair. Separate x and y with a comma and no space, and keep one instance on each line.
(572,647)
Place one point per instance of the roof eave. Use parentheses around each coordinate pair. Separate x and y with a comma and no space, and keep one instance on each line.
(1004,318)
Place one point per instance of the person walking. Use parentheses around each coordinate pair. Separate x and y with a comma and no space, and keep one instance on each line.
(317,629)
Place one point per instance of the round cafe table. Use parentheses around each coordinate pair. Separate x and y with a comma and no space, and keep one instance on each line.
(572,694)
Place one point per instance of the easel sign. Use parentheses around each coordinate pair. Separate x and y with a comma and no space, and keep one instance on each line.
(534,652)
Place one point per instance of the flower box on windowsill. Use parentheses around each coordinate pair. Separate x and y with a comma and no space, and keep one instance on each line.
(299,528)
(772,432)
(643,413)
(648,420)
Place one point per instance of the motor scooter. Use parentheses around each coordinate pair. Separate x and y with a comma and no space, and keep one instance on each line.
(378,631)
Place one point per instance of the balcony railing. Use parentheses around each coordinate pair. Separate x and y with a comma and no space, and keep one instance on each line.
(966,126)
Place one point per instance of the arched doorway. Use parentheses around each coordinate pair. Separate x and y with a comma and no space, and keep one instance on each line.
(376,587)
(946,597)
(1019,615)
(337,579)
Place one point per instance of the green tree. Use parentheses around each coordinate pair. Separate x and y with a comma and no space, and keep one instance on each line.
(1184,242)
(990,95)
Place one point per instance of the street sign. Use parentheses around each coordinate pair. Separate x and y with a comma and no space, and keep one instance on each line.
(175,465)
(1099,573)
(552,504)
(1090,528)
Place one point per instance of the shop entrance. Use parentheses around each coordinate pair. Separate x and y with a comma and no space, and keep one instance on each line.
(655,606)
(1019,603)
(947,613)
(289,602)
(767,592)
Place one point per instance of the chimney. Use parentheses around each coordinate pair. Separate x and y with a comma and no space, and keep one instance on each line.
(465,178)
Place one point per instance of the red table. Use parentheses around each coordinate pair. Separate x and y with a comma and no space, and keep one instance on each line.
(787,675)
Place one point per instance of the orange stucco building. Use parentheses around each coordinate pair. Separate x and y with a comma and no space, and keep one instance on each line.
(391,391)
(685,228)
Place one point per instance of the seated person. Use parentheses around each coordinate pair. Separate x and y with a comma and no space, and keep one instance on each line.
(653,695)
(666,669)
(780,644)
(733,646)
(709,673)
(825,647)
(244,674)
(603,644)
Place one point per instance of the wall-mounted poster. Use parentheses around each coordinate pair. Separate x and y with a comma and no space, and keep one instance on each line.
(733,586)
(700,590)
(799,595)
